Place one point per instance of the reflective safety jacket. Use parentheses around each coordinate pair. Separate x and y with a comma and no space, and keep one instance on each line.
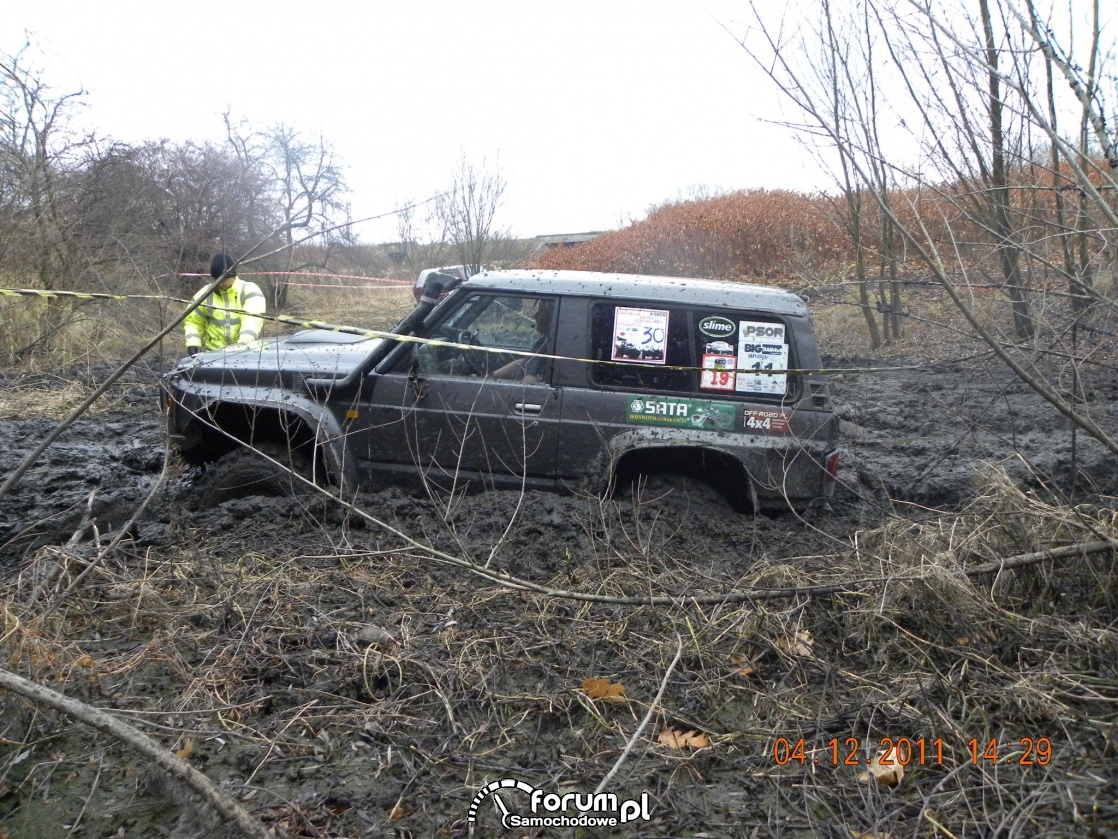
(226,317)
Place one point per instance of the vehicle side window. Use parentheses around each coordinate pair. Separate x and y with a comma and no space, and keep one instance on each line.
(737,349)
(657,340)
(484,323)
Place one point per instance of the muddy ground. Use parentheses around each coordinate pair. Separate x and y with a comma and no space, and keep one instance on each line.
(343,678)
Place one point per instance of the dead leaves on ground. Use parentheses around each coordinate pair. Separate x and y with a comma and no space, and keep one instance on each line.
(604,690)
(675,738)
(884,769)
(741,665)
(798,643)
(980,638)
(184,751)
(398,812)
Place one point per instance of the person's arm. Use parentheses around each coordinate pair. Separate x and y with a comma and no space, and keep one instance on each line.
(513,370)
(525,368)
(255,304)
(194,326)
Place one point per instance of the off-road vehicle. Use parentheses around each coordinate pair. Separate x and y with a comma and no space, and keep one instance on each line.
(562,380)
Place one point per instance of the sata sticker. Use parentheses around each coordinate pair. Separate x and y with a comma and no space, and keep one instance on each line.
(640,335)
(685,413)
(774,421)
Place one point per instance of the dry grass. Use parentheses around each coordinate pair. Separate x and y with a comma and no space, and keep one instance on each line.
(368,308)
(275,661)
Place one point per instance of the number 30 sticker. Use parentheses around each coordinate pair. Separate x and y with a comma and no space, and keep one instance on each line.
(640,335)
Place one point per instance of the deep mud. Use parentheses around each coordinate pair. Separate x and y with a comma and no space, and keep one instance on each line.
(255,632)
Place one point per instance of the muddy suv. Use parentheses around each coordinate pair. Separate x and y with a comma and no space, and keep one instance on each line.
(527,379)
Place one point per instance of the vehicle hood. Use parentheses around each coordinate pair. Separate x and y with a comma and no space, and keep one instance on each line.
(316,353)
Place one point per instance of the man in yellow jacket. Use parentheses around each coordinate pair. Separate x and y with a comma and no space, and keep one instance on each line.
(230,314)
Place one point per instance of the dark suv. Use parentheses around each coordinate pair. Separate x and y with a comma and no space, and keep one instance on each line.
(538,379)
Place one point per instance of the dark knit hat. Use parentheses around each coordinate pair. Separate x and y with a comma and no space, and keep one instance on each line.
(220,264)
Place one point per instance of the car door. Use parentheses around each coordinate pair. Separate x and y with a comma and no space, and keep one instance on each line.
(460,409)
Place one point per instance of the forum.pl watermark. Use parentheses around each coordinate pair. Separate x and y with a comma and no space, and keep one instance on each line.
(531,807)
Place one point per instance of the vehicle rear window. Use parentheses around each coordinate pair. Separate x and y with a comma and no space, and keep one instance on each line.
(650,347)
(642,347)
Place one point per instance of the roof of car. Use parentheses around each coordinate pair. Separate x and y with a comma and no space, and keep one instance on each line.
(715,293)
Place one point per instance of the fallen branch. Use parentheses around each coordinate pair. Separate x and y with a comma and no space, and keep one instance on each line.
(221,801)
(644,722)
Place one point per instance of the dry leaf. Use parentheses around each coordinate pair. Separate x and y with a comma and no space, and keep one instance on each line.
(187,747)
(604,689)
(798,643)
(398,812)
(676,739)
(857,834)
(740,665)
(983,636)
(886,774)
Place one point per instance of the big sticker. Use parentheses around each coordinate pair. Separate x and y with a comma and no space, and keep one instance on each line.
(761,347)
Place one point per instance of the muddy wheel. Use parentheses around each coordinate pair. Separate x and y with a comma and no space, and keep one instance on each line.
(680,492)
(245,472)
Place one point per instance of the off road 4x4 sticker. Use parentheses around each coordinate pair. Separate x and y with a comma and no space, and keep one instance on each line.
(760,420)
(682,413)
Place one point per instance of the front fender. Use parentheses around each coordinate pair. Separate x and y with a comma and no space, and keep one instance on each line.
(198,402)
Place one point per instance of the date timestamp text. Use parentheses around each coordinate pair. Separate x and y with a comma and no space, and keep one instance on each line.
(908,751)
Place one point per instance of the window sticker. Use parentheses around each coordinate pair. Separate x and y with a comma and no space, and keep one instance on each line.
(761,347)
(640,335)
(716,326)
(757,420)
(686,413)
(719,364)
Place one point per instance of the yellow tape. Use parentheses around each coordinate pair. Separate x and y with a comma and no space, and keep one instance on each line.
(412,339)
(83,295)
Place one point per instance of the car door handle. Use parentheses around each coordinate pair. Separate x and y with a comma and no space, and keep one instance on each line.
(526,408)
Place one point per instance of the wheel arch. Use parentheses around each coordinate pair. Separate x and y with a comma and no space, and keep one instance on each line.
(722,470)
(220,426)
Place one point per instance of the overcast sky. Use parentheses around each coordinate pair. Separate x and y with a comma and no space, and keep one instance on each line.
(593,109)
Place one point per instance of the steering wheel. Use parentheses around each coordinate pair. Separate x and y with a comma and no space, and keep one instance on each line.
(468,362)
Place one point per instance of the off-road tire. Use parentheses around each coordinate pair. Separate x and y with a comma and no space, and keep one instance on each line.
(245,472)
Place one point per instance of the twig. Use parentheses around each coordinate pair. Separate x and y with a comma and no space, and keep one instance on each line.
(88,798)
(124,529)
(644,723)
(165,759)
(70,545)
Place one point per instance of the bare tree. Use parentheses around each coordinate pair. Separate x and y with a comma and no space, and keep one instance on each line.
(37,152)
(467,212)
(421,237)
(968,96)
(305,188)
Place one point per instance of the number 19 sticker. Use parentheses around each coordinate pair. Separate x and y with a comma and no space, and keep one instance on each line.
(718,372)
